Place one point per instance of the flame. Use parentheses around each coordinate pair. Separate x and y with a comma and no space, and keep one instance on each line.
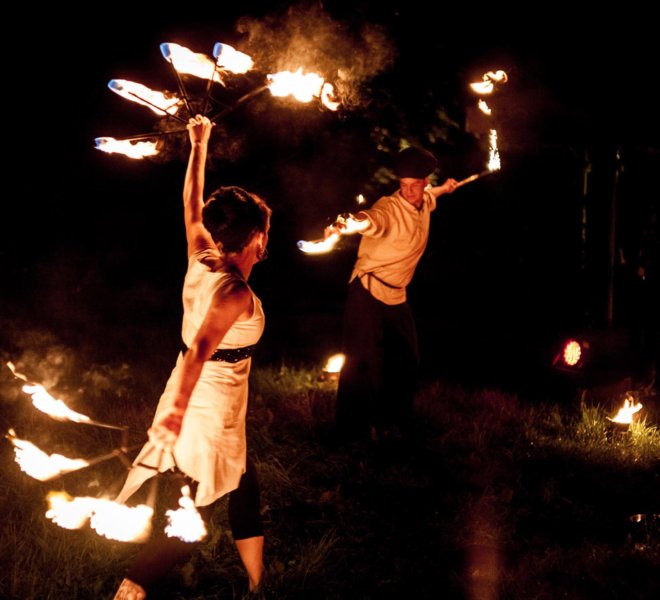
(43,401)
(319,246)
(328,92)
(360,199)
(120,522)
(625,414)
(40,465)
(108,518)
(334,363)
(483,106)
(488,81)
(230,59)
(303,87)
(159,102)
(186,523)
(483,87)
(346,222)
(497,76)
(494,163)
(126,147)
(189,62)
(16,374)
(69,512)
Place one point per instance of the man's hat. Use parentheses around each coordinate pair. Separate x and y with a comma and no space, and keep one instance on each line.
(414,163)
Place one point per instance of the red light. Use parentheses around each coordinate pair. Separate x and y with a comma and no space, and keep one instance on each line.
(572,353)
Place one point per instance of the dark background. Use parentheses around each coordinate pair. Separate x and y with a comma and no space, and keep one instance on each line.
(93,247)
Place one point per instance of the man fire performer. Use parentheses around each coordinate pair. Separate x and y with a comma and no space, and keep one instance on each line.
(200,419)
(379,378)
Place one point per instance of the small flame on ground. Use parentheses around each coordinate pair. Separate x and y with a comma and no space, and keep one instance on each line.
(625,414)
(36,463)
(159,102)
(334,363)
(126,147)
(186,523)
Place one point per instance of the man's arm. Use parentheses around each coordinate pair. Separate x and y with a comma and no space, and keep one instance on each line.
(446,188)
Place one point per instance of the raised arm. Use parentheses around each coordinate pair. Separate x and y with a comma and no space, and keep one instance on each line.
(199,130)
(446,188)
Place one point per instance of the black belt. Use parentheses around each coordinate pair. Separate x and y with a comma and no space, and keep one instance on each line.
(230,355)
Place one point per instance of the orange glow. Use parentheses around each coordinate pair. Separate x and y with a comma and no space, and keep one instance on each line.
(483,106)
(572,353)
(360,199)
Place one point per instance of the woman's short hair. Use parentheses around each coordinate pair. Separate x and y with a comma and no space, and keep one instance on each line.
(232,216)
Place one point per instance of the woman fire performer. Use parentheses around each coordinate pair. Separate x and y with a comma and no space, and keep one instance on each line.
(199,425)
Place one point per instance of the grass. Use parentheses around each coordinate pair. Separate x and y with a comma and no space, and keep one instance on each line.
(493,496)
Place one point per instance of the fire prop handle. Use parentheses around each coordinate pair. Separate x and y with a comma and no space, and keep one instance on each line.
(225,111)
(474,177)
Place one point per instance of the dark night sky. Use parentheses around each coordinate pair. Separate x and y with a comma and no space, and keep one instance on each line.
(91,240)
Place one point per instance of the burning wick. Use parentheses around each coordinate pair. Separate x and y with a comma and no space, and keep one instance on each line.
(55,409)
(186,523)
(303,87)
(36,463)
(346,223)
(127,147)
(110,519)
(157,101)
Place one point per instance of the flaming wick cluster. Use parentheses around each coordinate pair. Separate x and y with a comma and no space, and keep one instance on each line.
(304,87)
(108,518)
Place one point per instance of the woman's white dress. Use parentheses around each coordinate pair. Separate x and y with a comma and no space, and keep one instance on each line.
(211,447)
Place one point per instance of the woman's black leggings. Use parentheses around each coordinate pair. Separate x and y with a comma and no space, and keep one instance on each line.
(162,552)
